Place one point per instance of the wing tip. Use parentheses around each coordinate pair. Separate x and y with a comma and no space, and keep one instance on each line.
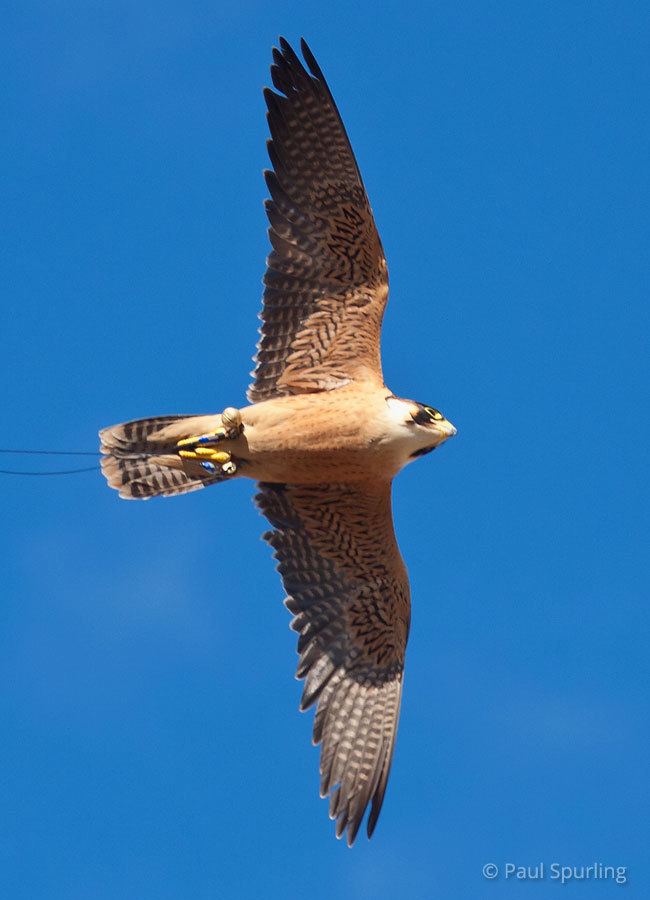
(310,59)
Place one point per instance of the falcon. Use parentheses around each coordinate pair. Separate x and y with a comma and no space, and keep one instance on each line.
(322,435)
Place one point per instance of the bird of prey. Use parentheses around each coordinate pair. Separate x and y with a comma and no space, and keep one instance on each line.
(322,435)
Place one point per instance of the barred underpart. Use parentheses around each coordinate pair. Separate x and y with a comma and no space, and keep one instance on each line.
(141,458)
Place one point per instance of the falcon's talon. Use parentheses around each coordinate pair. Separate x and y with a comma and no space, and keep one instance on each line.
(211,453)
(213,437)
(208,450)
(187,442)
(230,430)
(203,453)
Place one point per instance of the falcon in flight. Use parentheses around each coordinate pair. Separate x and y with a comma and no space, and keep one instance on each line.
(323,436)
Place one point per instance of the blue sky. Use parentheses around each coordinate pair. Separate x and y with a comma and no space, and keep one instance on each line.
(151,743)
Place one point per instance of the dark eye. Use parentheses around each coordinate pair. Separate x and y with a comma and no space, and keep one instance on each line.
(433,413)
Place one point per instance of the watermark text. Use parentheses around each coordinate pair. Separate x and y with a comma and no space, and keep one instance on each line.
(554,871)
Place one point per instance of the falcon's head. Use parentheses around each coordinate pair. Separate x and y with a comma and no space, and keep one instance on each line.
(430,424)
(426,427)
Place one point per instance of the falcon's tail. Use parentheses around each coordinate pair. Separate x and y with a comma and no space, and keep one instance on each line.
(142,457)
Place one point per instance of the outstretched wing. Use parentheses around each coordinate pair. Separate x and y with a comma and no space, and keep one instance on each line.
(326,282)
(349,593)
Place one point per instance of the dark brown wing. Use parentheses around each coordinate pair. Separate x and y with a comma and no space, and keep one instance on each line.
(348,591)
(326,282)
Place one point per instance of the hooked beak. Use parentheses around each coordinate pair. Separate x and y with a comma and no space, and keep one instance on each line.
(447,429)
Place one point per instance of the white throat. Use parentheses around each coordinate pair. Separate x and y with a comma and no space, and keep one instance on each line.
(402,433)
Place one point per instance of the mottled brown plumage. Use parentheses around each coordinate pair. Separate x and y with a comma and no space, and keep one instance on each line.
(323,436)
(348,591)
(326,282)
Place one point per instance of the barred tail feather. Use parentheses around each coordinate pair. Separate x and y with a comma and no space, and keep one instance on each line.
(141,460)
